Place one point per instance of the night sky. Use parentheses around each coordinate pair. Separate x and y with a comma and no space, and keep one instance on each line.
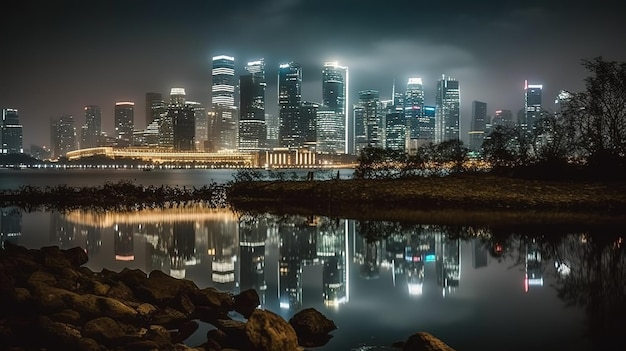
(58,56)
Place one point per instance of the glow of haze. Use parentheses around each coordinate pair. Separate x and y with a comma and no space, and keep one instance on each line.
(59,56)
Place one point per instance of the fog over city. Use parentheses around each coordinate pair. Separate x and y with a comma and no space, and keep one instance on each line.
(60,56)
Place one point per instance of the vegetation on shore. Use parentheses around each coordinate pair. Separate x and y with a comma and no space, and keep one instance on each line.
(407,197)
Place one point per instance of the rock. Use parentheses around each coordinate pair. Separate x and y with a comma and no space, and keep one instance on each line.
(67,316)
(77,256)
(184,331)
(92,305)
(145,309)
(312,327)
(89,344)
(104,330)
(246,302)
(423,341)
(267,331)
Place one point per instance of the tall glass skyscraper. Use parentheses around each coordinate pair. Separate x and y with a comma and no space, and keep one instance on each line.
(413,110)
(335,98)
(447,115)
(532,105)
(124,123)
(368,121)
(479,124)
(290,132)
(93,127)
(152,99)
(11,132)
(224,128)
(252,126)
(62,135)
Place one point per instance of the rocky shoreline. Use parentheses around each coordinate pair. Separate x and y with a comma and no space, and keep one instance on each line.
(50,301)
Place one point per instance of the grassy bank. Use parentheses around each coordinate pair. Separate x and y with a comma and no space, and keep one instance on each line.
(483,197)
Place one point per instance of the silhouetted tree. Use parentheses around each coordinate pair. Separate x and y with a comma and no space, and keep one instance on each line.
(597,116)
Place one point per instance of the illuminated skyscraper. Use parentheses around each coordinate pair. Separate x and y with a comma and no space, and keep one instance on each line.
(502,118)
(124,123)
(224,128)
(419,127)
(153,100)
(201,122)
(532,105)
(330,140)
(11,132)
(290,132)
(62,135)
(308,120)
(252,126)
(335,98)
(477,130)
(92,129)
(447,115)
(368,120)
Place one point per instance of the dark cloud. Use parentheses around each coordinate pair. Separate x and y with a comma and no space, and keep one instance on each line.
(58,56)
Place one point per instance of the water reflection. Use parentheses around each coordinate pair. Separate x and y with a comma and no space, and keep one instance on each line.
(285,257)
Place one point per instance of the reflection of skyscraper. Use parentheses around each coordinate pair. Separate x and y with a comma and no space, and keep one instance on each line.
(183,249)
(252,235)
(297,247)
(480,254)
(331,249)
(447,103)
(533,266)
(335,99)
(448,263)
(224,245)
(290,132)
(10,225)
(124,244)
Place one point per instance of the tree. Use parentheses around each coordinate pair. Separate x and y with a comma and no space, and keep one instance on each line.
(506,147)
(597,116)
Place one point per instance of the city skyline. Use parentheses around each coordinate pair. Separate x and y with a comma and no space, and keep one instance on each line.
(64,56)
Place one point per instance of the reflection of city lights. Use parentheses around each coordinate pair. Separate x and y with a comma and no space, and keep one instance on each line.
(416,289)
(284,305)
(124,258)
(562,268)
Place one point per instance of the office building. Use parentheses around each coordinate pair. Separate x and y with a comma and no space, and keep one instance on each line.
(413,110)
(11,132)
(532,106)
(478,125)
(62,135)
(154,107)
(396,129)
(335,83)
(290,132)
(200,124)
(252,124)
(224,123)
(92,129)
(368,120)
(124,123)
(447,114)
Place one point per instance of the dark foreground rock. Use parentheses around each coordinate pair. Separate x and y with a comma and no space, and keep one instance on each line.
(49,301)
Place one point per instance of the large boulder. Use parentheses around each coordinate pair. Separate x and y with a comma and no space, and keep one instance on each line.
(246,302)
(312,327)
(423,341)
(267,331)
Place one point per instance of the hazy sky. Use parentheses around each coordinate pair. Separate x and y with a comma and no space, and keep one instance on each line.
(58,56)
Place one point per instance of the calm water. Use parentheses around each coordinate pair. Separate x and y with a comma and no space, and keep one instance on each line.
(487,288)
(477,288)
(12,179)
